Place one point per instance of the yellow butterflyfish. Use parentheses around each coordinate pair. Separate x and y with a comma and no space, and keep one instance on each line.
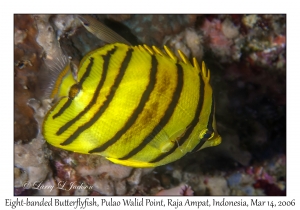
(135,105)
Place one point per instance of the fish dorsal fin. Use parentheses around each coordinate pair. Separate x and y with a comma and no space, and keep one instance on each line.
(170,53)
(100,30)
(183,57)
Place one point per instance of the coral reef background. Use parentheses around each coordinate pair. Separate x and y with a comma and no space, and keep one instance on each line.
(247,58)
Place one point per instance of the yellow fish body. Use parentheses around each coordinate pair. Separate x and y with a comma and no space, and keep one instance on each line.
(134,105)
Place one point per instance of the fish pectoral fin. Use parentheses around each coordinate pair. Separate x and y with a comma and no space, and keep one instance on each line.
(164,142)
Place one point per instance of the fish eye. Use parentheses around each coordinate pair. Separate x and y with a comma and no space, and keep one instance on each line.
(84,22)
(74,90)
